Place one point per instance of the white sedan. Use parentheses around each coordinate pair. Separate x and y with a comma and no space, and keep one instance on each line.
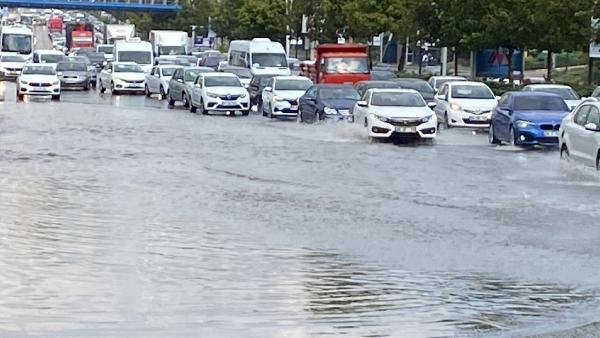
(579,134)
(157,82)
(465,104)
(219,92)
(570,97)
(11,65)
(121,77)
(38,80)
(280,96)
(387,113)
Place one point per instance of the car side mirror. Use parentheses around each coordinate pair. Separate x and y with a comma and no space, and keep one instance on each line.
(59,74)
(505,111)
(198,85)
(362,104)
(440,97)
(497,98)
(180,80)
(592,127)
(268,89)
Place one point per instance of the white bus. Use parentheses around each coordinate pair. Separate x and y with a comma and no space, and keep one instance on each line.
(134,50)
(17,40)
(260,55)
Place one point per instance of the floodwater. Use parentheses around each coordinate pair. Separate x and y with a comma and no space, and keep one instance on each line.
(121,218)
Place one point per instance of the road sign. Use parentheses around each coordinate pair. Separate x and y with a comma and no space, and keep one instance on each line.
(594,50)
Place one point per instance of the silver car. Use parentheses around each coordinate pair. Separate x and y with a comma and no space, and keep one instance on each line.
(73,75)
(579,135)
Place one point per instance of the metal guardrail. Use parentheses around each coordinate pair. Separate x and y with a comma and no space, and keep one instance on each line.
(114,5)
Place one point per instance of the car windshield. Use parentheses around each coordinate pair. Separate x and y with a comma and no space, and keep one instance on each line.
(19,43)
(171,50)
(105,49)
(128,68)
(540,103)
(564,92)
(222,81)
(302,85)
(211,61)
(142,58)
(420,86)
(168,71)
(349,65)
(96,57)
(263,80)
(382,75)
(71,66)
(242,73)
(81,59)
(12,58)
(192,74)
(51,58)
(391,99)
(38,70)
(471,92)
(339,93)
(269,60)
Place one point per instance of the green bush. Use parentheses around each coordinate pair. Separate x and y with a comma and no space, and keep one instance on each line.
(500,88)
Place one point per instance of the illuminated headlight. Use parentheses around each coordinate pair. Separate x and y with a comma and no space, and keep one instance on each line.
(279,98)
(330,111)
(426,119)
(213,95)
(377,117)
(455,106)
(524,124)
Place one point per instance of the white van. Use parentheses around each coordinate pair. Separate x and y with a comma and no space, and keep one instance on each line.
(136,51)
(17,40)
(260,55)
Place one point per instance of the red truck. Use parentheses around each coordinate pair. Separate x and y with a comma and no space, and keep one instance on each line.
(55,24)
(339,63)
(79,35)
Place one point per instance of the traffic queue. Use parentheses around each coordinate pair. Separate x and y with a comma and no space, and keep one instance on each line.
(256,75)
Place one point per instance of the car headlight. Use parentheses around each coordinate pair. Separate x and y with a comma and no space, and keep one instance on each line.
(455,106)
(24,82)
(279,98)
(524,124)
(377,117)
(213,95)
(55,83)
(426,119)
(330,111)
(116,79)
(243,96)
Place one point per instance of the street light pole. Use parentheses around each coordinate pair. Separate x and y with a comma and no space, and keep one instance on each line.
(193,38)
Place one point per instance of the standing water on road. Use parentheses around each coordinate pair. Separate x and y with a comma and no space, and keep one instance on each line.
(133,222)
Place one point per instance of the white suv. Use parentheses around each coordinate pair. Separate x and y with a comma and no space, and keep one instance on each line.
(579,134)
(219,92)
(280,96)
(465,104)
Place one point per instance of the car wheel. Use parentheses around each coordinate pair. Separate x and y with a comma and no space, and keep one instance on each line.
(270,112)
(261,109)
(163,95)
(299,115)
(245,112)
(316,118)
(87,87)
(56,97)
(113,90)
(447,124)
(492,136)
(147,91)
(102,89)
(598,161)
(193,109)
(202,110)
(171,103)
(564,153)
(186,101)
(512,137)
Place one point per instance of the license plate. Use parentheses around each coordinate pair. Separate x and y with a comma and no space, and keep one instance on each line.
(406,129)
(229,103)
(135,85)
(294,108)
(479,118)
(551,134)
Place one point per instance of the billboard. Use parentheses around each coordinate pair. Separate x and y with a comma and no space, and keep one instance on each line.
(494,63)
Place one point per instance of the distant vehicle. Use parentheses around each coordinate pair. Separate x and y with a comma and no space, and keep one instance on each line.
(79,35)
(211,62)
(107,50)
(182,83)
(257,84)
(224,64)
(165,43)
(362,86)
(219,92)
(11,65)
(17,40)
(464,104)
(48,56)
(402,113)
(55,24)
(260,55)
(383,75)
(571,98)
(161,60)
(280,96)
(339,63)
(113,33)
(157,82)
(422,86)
(294,65)
(186,60)
(92,69)
(38,80)
(139,52)
(580,134)
(527,118)
(119,77)
(73,75)
(437,81)
(27,19)
(243,73)
(327,101)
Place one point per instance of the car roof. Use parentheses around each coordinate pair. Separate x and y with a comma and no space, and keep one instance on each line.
(408,79)
(531,93)
(302,78)
(219,74)
(188,68)
(444,77)
(333,85)
(169,66)
(468,83)
(376,82)
(547,85)
(393,90)
(49,51)
(124,63)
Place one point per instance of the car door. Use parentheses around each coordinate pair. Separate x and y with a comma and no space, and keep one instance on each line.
(441,102)
(151,80)
(589,148)
(176,86)
(576,132)
(304,101)
(196,95)
(501,117)
(267,95)
(106,74)
(360,113)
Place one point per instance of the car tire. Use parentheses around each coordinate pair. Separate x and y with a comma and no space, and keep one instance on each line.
(564,153)
(512,138)
(245,112)
(186,101)
(598,161)
(193,109)
(147,91)
(202,110)
(171,103)
(56,97)
(113,91)
(102,89)
(163,95)
(261,109)
(87,87)
(447,124)
(299,115)
(492,136)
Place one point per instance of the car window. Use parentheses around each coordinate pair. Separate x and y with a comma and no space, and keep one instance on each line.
(270,83)
(365,96)
(596,92)
(594,116)
(443,90)
(504,100)
(581,115)
(311,92)
(177,74)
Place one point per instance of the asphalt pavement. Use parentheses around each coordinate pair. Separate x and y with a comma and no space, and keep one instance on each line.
(120,217)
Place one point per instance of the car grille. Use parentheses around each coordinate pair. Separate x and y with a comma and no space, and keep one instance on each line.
(229,97)
(293,102)
(70,77)
(13,69)
(548,140)
(549,126)
(468,121)
(404,122)
(36,84)
(133,81)
(477,112)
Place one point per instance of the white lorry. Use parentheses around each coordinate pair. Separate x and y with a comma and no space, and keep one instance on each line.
(114,33)
(167,43)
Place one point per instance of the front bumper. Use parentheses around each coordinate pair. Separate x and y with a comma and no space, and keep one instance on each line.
(285,108)
(461,118)
(130,86)
(28,89)
(531,136)
(12,73)
(74,82)
(403,128)
(218,104)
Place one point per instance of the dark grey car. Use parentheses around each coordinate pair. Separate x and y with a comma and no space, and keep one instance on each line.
(181,83)
(73,75)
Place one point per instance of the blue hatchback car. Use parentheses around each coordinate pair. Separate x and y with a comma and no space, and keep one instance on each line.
(527,119)
(327,101)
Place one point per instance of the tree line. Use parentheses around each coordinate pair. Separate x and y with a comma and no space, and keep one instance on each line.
(463,25)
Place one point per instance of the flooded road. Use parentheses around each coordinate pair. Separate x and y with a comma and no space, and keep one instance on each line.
(121,218)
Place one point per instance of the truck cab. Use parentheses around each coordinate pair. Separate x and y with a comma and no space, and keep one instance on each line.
(339,63)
